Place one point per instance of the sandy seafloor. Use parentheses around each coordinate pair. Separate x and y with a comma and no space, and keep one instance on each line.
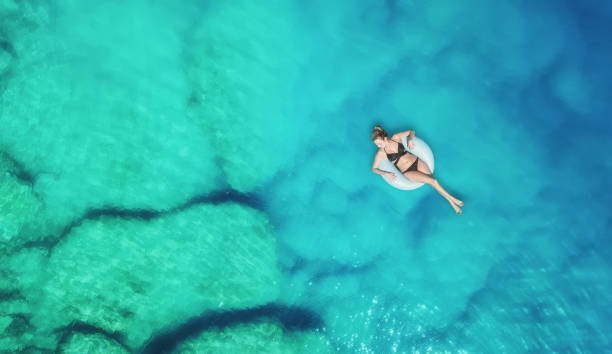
(195,177)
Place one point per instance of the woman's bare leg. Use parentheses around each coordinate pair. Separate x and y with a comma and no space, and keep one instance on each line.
(422,167)
(425,178)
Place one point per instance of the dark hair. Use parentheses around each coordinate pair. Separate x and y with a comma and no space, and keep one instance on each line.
(378,132)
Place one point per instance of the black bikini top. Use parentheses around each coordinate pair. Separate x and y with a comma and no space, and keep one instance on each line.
(401,151)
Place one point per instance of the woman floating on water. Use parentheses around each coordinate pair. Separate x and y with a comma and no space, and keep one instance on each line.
(415,170)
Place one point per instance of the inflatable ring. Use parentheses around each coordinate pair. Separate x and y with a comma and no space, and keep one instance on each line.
(422,151)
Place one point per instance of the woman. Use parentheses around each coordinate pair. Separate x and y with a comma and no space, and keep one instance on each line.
(410,165)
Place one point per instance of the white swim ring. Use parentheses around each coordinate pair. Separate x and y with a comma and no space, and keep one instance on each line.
(422,151)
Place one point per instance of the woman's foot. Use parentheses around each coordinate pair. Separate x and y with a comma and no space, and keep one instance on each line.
(457,201)
(457,209)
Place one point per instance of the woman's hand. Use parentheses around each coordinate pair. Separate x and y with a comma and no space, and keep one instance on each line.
(410,144)
(392,176)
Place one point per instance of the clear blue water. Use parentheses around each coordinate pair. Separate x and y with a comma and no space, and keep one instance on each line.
(197,177)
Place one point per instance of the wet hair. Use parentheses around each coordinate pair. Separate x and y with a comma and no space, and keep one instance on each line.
(378,132)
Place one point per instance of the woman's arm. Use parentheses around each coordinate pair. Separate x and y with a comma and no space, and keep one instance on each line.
(375,164)
(408,133)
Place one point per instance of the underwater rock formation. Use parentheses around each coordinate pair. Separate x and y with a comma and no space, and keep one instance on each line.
(137,277)
(243,69)
(263,336)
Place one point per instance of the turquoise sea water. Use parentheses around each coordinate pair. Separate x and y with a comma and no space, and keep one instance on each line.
(195,177)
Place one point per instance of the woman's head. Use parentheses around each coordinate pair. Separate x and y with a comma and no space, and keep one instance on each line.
(379,135)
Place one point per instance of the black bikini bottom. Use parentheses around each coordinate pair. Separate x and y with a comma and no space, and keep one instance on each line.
(414,166)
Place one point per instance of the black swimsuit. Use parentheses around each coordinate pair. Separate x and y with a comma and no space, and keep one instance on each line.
(401,151)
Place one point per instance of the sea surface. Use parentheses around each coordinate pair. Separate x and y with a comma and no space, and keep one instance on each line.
(196,177)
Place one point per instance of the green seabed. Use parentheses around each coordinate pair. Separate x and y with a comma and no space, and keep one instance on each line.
(196,178)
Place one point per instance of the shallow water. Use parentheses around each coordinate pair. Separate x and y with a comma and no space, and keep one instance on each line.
(196,177)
